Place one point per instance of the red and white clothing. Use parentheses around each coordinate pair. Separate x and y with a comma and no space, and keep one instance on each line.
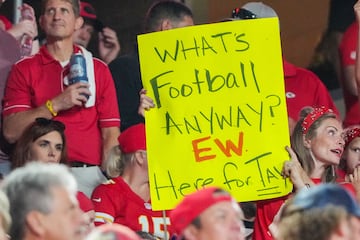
(36,79)
(347,51)
(115,202)
(303,88)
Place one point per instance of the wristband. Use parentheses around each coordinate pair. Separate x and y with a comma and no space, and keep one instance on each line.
(49,106)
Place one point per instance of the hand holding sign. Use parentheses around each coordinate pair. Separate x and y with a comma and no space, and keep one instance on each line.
(145,103)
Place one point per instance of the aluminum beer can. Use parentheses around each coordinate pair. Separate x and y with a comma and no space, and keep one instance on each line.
(77,69)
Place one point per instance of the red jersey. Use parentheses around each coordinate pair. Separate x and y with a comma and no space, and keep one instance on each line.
(348,57)
(114,201)
(34,80)
(303,88)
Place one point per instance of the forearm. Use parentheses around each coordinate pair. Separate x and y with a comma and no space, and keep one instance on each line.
(109,140)
(349,81)
(15,124)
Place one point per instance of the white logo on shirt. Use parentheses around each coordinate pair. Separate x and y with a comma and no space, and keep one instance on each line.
(97,199)
(353,55)
(147,205)
(290,95)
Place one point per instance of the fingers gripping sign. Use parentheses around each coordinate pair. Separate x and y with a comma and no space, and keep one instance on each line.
(146,103)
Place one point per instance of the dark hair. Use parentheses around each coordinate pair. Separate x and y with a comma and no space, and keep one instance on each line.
(39,128)
(161,10)
(75,4)
(303,154)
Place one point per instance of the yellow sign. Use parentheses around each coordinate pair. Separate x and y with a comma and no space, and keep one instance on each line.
(220,117)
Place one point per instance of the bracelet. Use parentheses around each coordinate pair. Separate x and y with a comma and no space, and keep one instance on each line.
(50,107)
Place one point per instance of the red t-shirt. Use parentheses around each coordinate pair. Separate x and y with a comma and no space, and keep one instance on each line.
(303,88)
(347,51)
(34,80)
(114,201)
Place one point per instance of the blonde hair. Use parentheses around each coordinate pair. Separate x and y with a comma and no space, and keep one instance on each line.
(113,163)
(117,161)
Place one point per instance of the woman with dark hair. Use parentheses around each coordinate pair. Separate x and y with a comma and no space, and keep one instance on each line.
(44,140)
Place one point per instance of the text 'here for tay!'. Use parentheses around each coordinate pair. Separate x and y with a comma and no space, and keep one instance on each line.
(220,117)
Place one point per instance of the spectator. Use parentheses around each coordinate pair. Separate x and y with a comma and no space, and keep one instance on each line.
(109,46)
(44,141)
(26,27)
(317,145)
(5,220)
(325,62)
(302,87)
(209,213)
(349,169)
(43,203)
(350,80)
(125,198)
(10,53)
(323,212)
(162,15)
(37,87)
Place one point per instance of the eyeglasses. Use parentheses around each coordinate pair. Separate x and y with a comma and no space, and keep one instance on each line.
(46,122)
(242,13)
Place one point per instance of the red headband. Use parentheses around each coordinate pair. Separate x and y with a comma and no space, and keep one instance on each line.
(313,116)
(351,134)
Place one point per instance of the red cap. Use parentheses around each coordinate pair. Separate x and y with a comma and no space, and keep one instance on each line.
(112,231)
(133,139)
(87,11)
(84,202)
(194,204)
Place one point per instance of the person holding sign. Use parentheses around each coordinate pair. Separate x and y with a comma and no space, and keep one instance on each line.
(303,88)
(125,198)
(209,213)
(161,16)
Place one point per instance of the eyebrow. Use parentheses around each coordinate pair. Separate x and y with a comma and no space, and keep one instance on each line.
(332,126)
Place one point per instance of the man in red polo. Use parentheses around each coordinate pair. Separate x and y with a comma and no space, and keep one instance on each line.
(38,86)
